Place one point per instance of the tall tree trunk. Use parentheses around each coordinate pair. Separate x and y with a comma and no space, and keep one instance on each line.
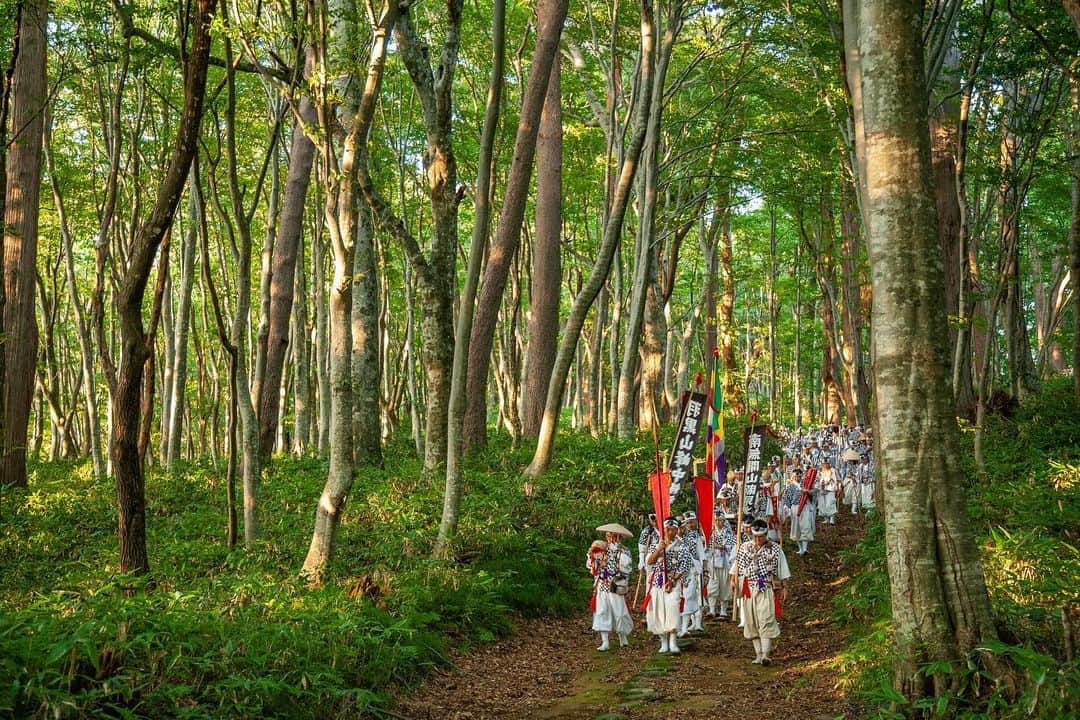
(547,263)
(82,328)
(455,444)
(342,187)
(435,273)
(23,169)
(301,344)
(612,232)
(551,14)
(367,372)
(647,251)
(322,339)
(734,393)
(180,336)
(939,600)
(1074,228)
(287,247)
(126,408)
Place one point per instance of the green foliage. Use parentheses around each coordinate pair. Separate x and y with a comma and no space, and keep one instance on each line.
(233,633)
(1026,513)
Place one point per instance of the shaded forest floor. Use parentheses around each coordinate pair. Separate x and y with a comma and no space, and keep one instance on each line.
(550,669)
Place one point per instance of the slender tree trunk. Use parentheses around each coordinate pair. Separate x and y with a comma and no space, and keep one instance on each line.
(301,344)
(547,263)
(939,600)
(342,222)
(612,232)
(23,168)
(126,410)
(287,247)
(86,343)
(1074,228)
(367,372)
(455,430)
(551,15)
(322,341)
(180,337)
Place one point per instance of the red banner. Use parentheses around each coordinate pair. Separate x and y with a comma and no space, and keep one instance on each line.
(660,487)
(703,486)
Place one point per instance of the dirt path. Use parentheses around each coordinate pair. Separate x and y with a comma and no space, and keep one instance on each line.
(549,669)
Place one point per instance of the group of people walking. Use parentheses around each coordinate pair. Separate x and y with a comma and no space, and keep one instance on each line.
(736,571)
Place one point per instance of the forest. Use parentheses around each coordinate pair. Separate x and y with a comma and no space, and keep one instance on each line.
(331,329)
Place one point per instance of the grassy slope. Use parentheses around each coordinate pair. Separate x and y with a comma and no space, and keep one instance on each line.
(231,633)
(1027,517)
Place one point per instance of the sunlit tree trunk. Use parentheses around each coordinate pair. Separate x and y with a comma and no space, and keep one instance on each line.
(547,263)
(287,248)
(551,15)
(612,231)
(341,187)
(28,94)
(939,602)
(126,408)
(367,372)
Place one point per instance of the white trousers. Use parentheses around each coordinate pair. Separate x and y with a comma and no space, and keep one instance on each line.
(662,614)
(612,614)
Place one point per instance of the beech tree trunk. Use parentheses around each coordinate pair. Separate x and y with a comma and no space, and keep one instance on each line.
(367,371)
(547,262)
(283,269)
(179,338)
(939,601)
(342,185)
(126,408)
(23,171)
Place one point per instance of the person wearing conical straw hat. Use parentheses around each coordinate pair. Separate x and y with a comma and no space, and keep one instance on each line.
(670,562)
(610,564)
(761,573)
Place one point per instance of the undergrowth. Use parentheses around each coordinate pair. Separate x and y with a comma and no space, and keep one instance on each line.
(1026,513)
(232,633)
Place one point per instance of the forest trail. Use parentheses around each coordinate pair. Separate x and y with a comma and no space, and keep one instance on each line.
(550,670)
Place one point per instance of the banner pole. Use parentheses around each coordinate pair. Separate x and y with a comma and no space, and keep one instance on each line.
(736,607)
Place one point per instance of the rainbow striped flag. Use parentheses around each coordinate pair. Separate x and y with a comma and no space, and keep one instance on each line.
(715,462)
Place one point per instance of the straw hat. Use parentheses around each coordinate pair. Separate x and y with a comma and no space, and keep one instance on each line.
(615,528)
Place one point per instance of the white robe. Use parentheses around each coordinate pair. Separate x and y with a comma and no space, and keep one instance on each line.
(691,584)
(612,613)
(829,488)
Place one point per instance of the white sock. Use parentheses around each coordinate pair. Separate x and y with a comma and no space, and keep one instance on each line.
(757,649)
(603,641)
(766,646)
(624,640)
(712,606)
(663,643)
(672,645)
(697,619)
